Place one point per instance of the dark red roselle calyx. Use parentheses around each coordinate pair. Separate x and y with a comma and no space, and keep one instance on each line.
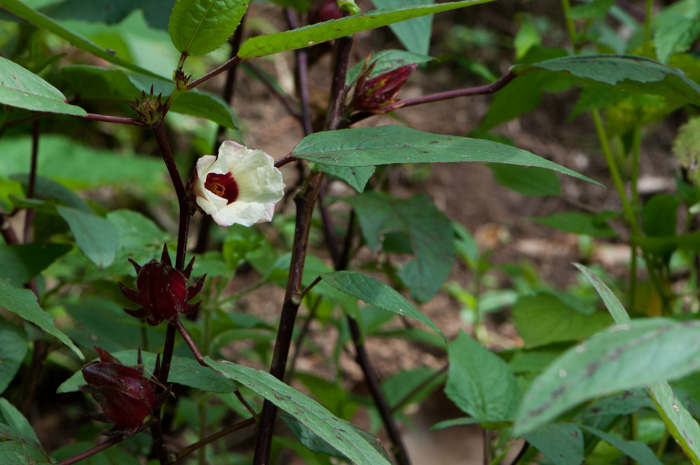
(373,94)
(125,395)
(162,290)
(324,10)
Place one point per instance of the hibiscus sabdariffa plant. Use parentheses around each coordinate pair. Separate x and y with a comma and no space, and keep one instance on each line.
(239,186)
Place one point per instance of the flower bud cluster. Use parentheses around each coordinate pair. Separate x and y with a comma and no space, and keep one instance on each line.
(373,94)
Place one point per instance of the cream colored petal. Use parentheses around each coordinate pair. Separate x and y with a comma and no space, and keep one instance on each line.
(244,213)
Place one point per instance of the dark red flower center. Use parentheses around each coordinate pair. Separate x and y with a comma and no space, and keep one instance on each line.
(223,185)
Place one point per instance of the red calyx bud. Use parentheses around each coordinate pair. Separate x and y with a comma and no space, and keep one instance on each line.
(324,10)
(162,290)
(126,396)
(373,94)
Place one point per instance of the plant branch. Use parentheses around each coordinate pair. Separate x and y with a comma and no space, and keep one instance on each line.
(302,78)
(470,91)
(29,218)
(90,452)
(111,119)
(230,63)
(209,439)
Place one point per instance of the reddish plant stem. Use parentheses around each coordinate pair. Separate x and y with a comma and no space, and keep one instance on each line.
(471,91)
(90,452)
(284,160)
(305,202)
(29,218)
(111,119)
(305,205)
(209,439)
(232,62)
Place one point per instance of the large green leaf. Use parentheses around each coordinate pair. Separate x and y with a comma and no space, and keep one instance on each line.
(156,12)
(198,27)
(627,73)
(537,182)
(428,232)
(91,82)
(42,21)
(678,420)
(397,145)
(94,235)
(22,262)
(479,382)
(88,167)
(674,33)
(18,442)
(12,351)
(329,30)
(562,443)
(23,302)
(375,292)
(413,34)
(543,319)
(23,89)
(626,356)
(307,411)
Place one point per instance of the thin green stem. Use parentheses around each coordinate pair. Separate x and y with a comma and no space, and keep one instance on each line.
(647,28)
(570,26)
(627,210)
(637,139)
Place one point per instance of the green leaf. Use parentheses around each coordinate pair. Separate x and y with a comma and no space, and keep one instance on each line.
(307,411)
(596,9)
(23,89)
(18,442)
(428,231)
(397,145)
(479,382)
(185,371)
(579,223)
(659,215)
(664,245)
(22,262)
(42,21)
(50,190)
(156,12)
(10,416)
(677,419)
(375,292)
(413,34)
(626,73)
(102,323)
(636,450)
(562,443)
(418,383)
(356,177)
(12,351)
(198,27)
(674,33)
(386,60)
(543,319)
(23,302)
(625,356)
(91,82)
(537,182)
(329,30)
(95,236)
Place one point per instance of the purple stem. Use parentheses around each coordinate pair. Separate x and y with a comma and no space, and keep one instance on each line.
(111,119)
(480,90)
(224,432)
(232,62)
(90,452)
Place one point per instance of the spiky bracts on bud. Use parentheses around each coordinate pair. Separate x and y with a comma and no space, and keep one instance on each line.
(162,291)
(372,94)
(151,109)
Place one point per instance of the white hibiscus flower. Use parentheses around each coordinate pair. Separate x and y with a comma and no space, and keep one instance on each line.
(240,186)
